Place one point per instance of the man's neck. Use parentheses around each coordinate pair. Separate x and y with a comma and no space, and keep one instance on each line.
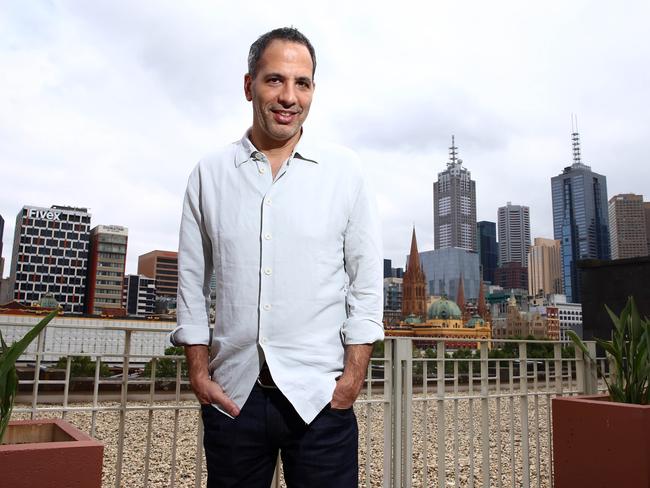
(277,152)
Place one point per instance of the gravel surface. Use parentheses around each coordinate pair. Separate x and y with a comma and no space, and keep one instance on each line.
(462,428)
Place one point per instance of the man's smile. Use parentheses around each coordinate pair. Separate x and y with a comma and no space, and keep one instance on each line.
(284,116)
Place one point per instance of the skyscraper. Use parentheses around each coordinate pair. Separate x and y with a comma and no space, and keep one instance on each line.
(50,255)
(544,267)
(580,220)
(454,206)
(627,230)
(487,249)
(514,234)
(646,210)
(2,259)
(106,268)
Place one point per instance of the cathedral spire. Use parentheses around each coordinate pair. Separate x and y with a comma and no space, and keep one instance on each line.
(414,256)
(414,294)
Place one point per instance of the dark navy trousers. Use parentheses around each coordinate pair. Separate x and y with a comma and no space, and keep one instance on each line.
(242,452)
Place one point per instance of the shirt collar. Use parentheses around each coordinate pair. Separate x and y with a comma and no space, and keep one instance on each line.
(246,149)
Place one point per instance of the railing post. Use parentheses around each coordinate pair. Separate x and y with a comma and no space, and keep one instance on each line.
(402,413)
(388,412)
(557,356)
(441,375)
(586,377)
(485,414)
(40,348)
(591,376)
(580,371)
(523,412)
(124,395)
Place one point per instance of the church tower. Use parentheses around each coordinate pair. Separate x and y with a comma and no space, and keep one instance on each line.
(460,298)
(414,296)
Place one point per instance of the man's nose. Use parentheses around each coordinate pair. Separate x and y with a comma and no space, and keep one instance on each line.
(287,96)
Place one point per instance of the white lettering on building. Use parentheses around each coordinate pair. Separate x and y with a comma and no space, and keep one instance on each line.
(44,214)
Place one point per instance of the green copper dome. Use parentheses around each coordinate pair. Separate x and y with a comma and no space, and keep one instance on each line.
(444,309)
(412,319)
(475,321)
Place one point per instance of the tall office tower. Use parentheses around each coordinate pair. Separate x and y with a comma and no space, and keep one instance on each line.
(414,288)
(514,234)
(627,230)
(388,268)
(106,267)
(580,220)
(162,266)
(544,267)
(2,259)
(51,255)
(646,210)
(454,205)
(139,297)
(487,249)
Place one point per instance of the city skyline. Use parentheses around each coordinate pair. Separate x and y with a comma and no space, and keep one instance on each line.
(109,108)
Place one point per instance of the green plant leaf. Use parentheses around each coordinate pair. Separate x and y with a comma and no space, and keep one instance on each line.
(8,387)
(630,349)
(13,352)
(579,343)
(8,375)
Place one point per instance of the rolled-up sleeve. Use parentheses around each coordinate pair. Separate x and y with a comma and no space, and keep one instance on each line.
(364,267)
(194,270)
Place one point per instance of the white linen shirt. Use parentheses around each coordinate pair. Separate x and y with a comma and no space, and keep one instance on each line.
(298,264)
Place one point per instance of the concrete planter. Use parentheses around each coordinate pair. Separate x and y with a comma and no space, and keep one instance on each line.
(49,453)
(598,443)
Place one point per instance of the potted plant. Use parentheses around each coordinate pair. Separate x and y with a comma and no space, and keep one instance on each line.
(604,440)
(49,452)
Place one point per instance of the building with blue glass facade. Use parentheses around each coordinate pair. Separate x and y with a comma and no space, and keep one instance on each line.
(580,218)
(487,248)
(444,267)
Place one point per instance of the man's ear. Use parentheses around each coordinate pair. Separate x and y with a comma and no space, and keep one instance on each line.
(248,81)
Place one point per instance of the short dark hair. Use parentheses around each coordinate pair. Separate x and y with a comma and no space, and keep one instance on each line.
(283,34)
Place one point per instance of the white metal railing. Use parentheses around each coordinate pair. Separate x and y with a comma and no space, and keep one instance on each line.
(485,430)
(424,421)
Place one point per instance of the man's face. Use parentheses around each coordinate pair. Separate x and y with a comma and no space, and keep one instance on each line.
(281,92)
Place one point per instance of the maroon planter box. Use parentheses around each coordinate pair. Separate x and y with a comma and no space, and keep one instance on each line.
(598,443)
(49,453)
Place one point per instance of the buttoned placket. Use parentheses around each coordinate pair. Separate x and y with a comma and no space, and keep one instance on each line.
(267,248)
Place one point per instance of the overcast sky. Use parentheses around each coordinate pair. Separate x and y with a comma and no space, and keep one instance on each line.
(109,104)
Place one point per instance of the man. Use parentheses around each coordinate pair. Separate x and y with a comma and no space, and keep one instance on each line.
(291,231)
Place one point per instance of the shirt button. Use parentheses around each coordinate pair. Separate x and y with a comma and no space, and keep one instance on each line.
(267,237)
(268,271)
(262,170)
(267,307)
(263,340)
(268,201)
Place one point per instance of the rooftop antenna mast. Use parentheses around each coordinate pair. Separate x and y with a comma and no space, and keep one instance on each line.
(575,138)
(453,152)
